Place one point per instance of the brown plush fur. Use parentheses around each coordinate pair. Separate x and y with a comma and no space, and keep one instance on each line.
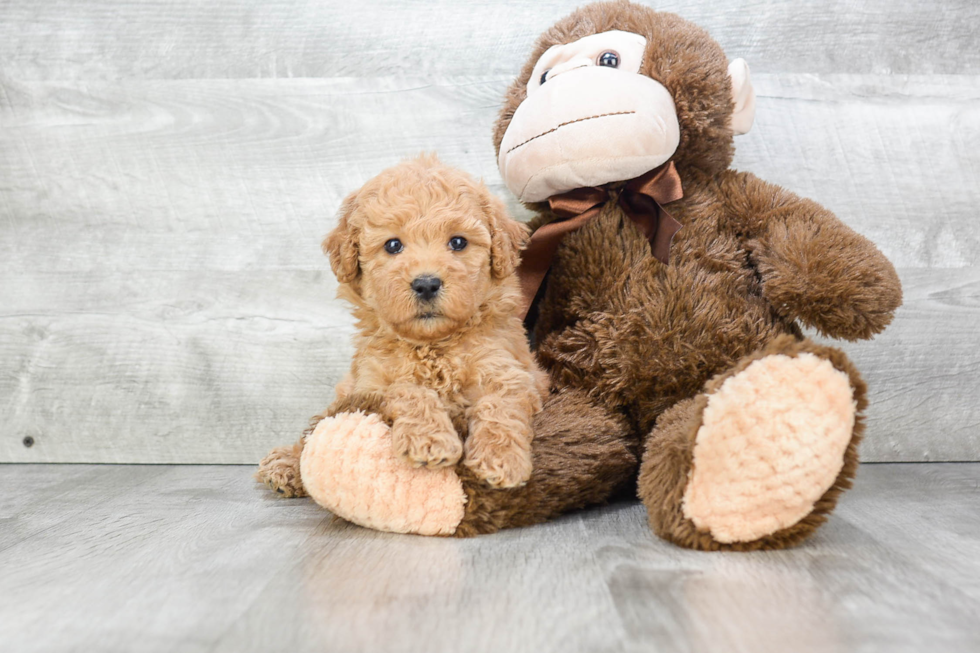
(641,339)
(454,368)
(582,456)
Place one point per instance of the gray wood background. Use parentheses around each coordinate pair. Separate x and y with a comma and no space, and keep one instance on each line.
(167,170)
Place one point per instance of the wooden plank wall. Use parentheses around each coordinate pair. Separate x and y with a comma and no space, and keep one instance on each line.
(167,170)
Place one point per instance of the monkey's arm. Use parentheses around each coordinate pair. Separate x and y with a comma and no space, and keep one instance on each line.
(813,267)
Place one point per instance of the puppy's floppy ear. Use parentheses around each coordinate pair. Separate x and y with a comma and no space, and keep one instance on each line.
(507,237)
(341,243)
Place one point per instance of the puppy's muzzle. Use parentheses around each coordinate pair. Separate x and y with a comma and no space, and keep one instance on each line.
(426,287)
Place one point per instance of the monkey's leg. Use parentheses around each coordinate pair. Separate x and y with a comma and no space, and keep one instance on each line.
(582,455)
(760,457)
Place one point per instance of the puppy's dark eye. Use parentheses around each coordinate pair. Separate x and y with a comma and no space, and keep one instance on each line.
(457,243)
(610,59)
(394,246)
(544,76)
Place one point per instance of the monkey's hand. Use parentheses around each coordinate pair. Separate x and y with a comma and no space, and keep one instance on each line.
(813,267)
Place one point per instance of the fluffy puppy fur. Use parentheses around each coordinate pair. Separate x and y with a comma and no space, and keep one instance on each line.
(447,365)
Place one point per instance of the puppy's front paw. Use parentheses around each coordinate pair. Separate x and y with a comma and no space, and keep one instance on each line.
(434,448)
(500,462)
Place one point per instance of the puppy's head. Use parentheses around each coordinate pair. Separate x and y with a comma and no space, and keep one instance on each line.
(424,248)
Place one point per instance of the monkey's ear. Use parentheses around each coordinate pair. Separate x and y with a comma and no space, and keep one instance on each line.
(507,238)
(341,243)
(743,95)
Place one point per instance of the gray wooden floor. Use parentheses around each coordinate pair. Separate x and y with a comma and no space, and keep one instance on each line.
(197,558)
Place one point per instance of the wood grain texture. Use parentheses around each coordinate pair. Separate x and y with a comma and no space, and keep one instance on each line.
(108,40)
(164,188)
(923,371)
(167,300)
(159,558)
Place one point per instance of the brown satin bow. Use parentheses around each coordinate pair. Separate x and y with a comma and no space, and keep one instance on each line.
(641,198)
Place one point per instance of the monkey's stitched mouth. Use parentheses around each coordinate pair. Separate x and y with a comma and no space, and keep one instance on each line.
(571,122)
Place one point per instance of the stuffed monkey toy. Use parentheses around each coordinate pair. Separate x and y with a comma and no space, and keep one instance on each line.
(668,290)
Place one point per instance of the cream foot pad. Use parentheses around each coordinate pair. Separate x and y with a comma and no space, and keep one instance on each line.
(771,442)
(348,467)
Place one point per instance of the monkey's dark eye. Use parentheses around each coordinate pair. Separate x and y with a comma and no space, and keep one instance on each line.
(394,246)
(544,76)
(457,243)
(610,59)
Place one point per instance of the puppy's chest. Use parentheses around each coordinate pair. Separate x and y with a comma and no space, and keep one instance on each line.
(438,370)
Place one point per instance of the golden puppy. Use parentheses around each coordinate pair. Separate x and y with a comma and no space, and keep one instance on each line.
(427,255)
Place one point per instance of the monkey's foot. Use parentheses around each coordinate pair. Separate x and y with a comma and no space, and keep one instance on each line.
(771,442)
(348,467)
(759,459)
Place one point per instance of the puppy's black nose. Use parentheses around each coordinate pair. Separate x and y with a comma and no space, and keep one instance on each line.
(427,287)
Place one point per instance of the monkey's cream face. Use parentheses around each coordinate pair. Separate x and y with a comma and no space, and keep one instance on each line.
(590,117)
